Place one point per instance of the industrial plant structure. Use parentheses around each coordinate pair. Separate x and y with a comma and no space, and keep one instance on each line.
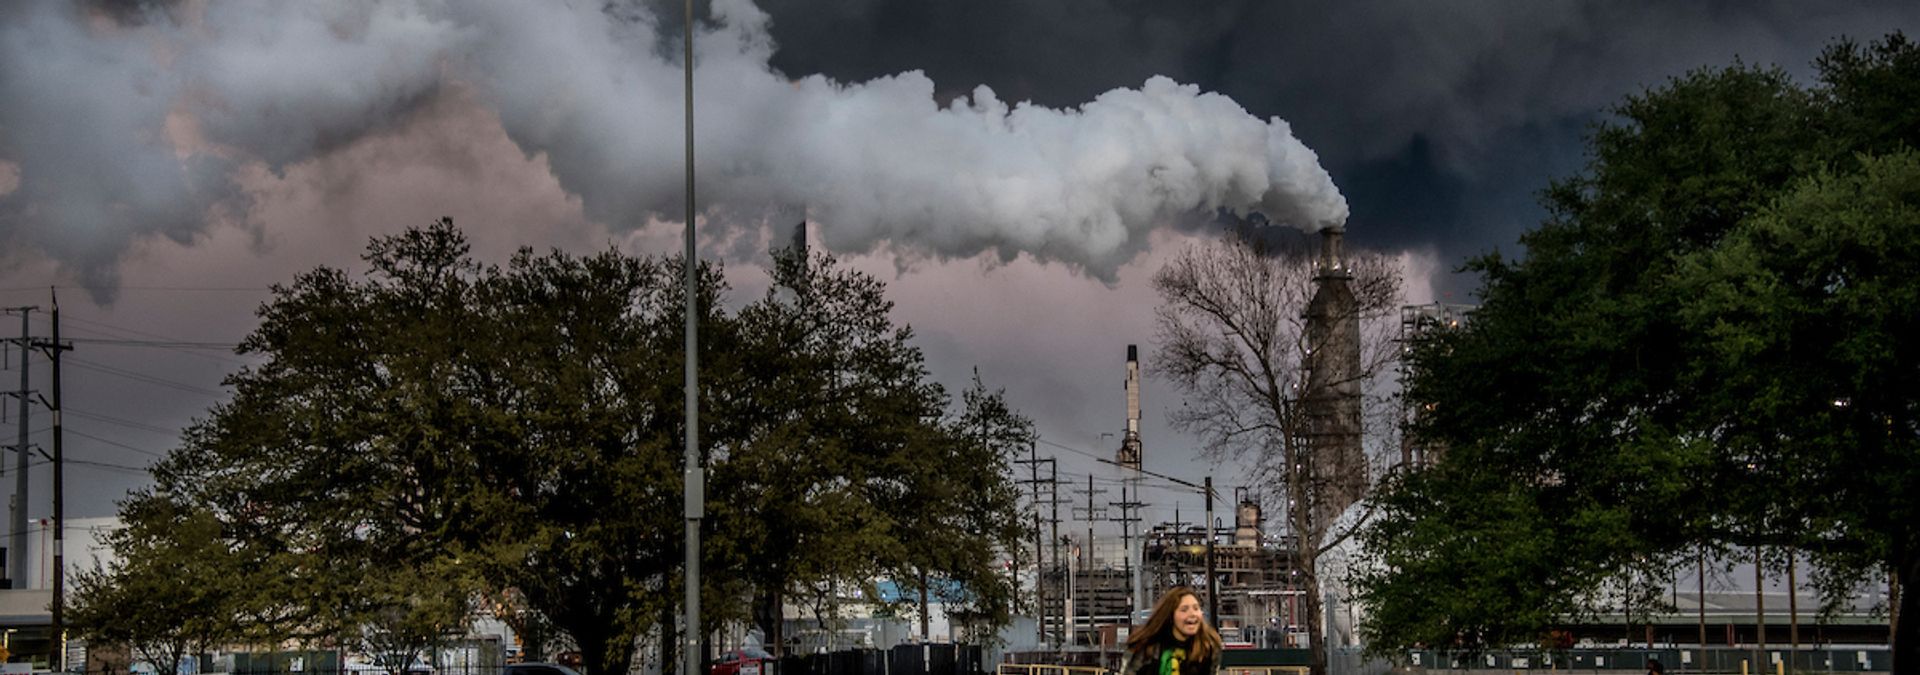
(1261,594)
(1419,323)
(1258,583)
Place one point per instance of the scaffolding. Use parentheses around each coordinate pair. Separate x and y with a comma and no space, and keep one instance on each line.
(1261,602)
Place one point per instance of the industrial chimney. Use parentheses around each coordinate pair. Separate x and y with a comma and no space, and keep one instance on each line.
(1332,399)
(1130,445)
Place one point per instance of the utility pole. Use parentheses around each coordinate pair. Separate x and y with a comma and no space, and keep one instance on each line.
(1040,607)
(1091,513)
(17,563)
(58,648)
(1129,505)
(1213,584)
(1033,463)
(1073,555)
(1053,497)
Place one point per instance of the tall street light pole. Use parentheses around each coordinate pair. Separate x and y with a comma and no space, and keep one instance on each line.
(696,479)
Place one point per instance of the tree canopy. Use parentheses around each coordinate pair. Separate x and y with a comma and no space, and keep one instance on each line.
(436,435)
(1707,345)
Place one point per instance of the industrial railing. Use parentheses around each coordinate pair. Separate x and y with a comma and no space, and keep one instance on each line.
(1265,670)
(1045,669)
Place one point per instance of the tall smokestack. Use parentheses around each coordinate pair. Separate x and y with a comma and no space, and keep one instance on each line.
(1332,259)
(1332,401)
(1130,445)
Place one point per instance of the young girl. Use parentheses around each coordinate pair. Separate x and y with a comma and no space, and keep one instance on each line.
(1176,639)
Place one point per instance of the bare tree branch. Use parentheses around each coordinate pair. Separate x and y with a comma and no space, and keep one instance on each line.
(1276,356)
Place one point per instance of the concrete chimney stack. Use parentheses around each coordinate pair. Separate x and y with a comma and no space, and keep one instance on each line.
(1129,455)
(1332,260)
(1331,401)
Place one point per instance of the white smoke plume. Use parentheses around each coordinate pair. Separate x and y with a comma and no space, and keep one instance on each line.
(877,163)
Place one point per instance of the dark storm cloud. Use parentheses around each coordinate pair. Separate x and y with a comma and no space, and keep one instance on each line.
(90,174)
(1054,53)
(1440,119)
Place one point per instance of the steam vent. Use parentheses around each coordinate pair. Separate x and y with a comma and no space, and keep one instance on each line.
(1332,399)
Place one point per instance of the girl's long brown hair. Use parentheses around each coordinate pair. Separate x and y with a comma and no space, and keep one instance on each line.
(1158,630)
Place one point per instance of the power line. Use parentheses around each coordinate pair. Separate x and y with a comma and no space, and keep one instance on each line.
(155,343)
(156,289)
(1071,449)
(142,377)
(108,465)
(120,421)
(92,463)
(1137,482)
(115,443)
(162,341)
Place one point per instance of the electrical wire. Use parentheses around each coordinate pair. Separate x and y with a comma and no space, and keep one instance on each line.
(89,463)
(115,443)
(160,341)
(154,343)
(108,465)
(1145,481)
(141,377)
(120,421)
(157,289)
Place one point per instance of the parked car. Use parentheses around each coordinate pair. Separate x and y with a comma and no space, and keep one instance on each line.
(738,662)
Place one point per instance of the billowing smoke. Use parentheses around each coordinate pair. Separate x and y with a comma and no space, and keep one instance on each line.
(83,143)
(173,102)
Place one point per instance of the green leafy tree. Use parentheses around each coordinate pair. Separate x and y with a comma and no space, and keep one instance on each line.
(1658,377)
(837,392)
(958,514)
(443,421)
(1808,316)
(586,496)
(840,465)
(404,615)
(435,434)
(175,589)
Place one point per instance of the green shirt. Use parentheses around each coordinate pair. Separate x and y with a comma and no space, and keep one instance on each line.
(1170,660)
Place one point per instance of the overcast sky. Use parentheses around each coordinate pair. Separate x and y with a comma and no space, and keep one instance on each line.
(1016,169)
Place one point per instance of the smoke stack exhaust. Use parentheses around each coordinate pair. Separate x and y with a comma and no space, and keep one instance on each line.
(1332,259)
(1130,446)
